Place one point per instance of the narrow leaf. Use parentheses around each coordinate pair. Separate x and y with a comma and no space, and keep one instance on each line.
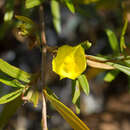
(24,19)
(118,66)
(70,5)
(32,3)
(9,10)
(112,40)
(76,92)
(110,76)
(14,72)
(76,95)
(84,84)
(55,9)
(77,106)
(108,59)
(35,98)
(8,111)
(122,39)
(10,82)
(122,68)
(11,96)
(66,113)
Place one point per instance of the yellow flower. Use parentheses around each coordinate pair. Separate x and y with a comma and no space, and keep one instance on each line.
(70,61)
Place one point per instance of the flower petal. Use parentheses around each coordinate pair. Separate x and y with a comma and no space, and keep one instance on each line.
(70,61)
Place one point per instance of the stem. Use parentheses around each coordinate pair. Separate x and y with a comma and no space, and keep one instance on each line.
(43,67)
(44,116)
(43,37)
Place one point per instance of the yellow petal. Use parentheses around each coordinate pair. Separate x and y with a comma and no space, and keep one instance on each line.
(70,61)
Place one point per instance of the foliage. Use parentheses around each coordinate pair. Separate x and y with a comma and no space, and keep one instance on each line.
(69,62)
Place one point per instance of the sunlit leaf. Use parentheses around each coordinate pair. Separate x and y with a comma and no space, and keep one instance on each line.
(84,83)
(122,39)
(14,72)
(122,68)
(110,76)
(55,9)
(75,92)
(70,5)
(24,19)
(112,40)
(66,113)
(127,62)
(70,61)
(10,82)
(9,10)
(103,59)
(35,98)
(32,3)
(8,111)
(77,106)
(109,62)
(32,96)
(76,95)
(11,96)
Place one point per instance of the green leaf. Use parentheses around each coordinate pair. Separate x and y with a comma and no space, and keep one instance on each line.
(9,10)
(75,91)
(24,19)
(66,113)
(112,40)
(110,76)
(118,66)
(127,62)
(14,72)
(70,5)
(35,98)
(122,39)
(55,9)
(104,59)
(84,84)
(8,111)
(122,68)
(10,82)
(77,106)
(11,96)
(32,3)
(76,95)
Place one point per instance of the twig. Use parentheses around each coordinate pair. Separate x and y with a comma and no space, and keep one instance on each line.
(43,67)
(44,111)
(43,37)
